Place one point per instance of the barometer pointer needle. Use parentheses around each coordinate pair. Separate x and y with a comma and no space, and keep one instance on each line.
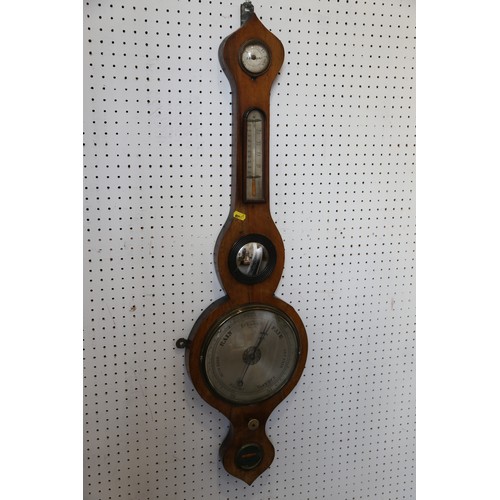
(254,350)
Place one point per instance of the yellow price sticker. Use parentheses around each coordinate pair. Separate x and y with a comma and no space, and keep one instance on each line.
(239,215)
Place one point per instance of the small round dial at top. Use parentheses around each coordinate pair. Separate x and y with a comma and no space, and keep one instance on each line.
(255,57)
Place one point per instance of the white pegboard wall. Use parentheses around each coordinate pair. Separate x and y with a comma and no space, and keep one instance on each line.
(157,123)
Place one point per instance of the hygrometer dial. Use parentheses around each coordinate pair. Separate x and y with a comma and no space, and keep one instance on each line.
(255,57)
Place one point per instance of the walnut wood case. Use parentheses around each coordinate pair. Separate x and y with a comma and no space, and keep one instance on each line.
(246,218)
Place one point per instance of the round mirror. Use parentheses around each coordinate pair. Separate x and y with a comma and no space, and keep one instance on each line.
(252,259)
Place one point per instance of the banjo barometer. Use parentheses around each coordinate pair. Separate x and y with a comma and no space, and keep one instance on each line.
(246,352)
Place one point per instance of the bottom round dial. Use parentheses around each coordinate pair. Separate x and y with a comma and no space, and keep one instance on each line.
(250,354)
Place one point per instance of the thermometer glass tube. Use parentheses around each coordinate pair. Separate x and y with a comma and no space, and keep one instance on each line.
(254,156)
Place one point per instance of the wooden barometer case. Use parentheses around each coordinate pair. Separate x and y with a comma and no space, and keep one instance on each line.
(247,350)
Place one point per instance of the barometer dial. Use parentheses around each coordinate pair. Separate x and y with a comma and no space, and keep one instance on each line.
(251,354)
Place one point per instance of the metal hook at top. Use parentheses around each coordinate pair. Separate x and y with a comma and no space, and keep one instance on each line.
(246,10)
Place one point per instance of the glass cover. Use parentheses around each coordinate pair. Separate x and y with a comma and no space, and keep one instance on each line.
(255,57)
(254,186)
(252,259)
(251,354)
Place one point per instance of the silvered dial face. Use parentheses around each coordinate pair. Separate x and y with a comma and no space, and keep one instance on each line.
(251,354)
(254,57)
